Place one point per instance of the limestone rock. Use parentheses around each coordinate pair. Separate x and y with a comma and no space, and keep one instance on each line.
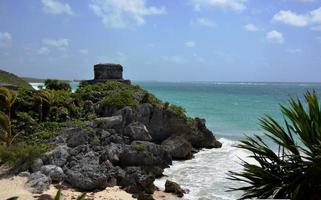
(87,173)
(38,182)
(54,172)
(114,122)
(178,147)
(76,137)
(36,165)
(172,187)
(137,131)
(57,156)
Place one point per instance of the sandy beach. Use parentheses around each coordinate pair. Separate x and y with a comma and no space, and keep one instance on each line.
(12,186)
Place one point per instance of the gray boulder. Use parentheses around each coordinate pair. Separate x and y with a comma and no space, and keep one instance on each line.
(87,173)
(144,112)
(36,165)
(76,137)
(172,187)
(137,131)
(57,156)
(112,153)
(142,153)
(54,172)
(202,137)
(113,122)
(38,182)
(178,147)
(24,174)
(128,113)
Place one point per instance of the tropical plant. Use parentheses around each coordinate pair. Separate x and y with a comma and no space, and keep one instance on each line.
(53,84)
(7,99)
(294,171)
(6,135)
(44,101)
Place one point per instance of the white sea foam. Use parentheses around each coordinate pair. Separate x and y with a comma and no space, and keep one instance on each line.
(205,176)
(36,85)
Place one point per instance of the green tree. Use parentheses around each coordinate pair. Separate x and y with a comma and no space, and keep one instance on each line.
(52,84)
(6,135)
(294,172)
(7,99)
(44,100)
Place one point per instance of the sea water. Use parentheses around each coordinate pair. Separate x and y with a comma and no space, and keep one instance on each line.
(231,111)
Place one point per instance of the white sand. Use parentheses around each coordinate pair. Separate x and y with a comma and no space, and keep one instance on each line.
(114,193)
(15,186)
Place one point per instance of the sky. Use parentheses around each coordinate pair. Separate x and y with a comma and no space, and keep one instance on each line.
(163,40)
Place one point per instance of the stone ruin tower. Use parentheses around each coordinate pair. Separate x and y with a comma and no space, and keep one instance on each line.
(108,71)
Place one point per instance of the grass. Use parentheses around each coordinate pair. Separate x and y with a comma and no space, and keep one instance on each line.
(9,78)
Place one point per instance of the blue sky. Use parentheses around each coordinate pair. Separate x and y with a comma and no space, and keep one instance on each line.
(164,40)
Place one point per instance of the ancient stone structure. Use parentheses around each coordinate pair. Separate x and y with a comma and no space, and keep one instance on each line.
(108,71)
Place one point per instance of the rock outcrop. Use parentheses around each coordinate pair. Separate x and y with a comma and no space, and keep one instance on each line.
(130,148)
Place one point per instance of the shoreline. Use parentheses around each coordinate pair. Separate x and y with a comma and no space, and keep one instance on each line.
(15,186)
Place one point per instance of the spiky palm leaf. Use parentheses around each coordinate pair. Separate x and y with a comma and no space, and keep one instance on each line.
(44,99)
(5,129)
(47,96)
(7,98)
(295,171)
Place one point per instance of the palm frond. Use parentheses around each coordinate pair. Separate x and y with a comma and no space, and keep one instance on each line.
(296,172)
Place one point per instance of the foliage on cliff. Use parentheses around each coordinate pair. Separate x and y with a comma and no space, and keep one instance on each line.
(39,115)
(52,84)
(8,78)
(294,172)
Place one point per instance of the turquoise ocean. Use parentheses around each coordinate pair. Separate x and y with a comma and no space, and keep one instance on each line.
(231,110)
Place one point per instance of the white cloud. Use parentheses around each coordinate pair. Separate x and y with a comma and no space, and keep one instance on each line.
(275,36)
(251,28)
(235,5)
(83,51)
(56,7)
(175,59)
(205,22)
(122,13)
(296,50)
(190,44)
(312,18)
(315,16)
(5,40)
(61,43)
(291,18)
(43,51)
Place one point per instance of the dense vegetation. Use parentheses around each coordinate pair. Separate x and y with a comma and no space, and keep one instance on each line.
(8,78)
(52,84)
(294,172)
(30,118)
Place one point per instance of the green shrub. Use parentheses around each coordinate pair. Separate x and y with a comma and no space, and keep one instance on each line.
(119,99)
(178,110)
(53,84)
(150,98)
(22,155)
